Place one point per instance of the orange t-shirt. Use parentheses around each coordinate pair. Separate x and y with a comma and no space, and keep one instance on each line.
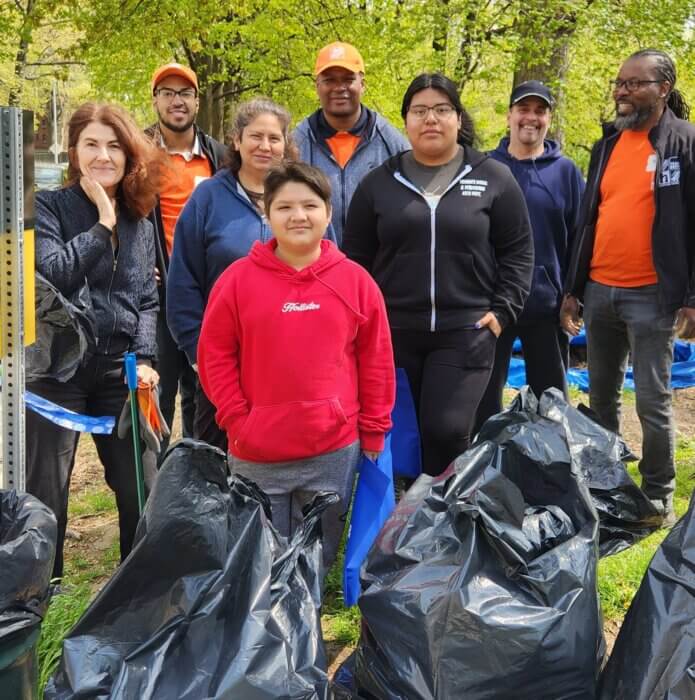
(623,244)
(179,181)
(343,145)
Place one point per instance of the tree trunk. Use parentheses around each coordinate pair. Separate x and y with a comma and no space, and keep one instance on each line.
(20,63)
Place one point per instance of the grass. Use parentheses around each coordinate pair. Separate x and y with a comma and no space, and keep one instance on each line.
(619,575)
(80,584)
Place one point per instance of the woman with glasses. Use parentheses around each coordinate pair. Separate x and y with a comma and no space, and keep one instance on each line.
(220,222)
(444,230)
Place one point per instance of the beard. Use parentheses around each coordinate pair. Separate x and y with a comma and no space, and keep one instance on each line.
(178,128)
(636,118)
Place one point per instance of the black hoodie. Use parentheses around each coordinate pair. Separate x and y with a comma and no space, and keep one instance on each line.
(445,266)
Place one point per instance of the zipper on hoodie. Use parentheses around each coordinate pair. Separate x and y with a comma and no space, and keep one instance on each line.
(433,233)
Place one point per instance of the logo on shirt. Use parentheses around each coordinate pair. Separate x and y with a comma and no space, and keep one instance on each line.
(294,306)
(670,172)
(473,188)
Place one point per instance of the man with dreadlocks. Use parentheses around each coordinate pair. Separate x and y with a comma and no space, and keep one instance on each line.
(632,263)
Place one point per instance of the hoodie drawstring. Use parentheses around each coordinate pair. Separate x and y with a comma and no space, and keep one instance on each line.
(543,185)
(359,315)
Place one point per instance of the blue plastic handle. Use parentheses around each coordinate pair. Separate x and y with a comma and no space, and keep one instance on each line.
(131,371)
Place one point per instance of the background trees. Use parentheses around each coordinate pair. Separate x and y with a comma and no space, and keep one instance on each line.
(107,49)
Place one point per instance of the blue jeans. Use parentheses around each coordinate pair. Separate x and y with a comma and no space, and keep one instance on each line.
(628,320)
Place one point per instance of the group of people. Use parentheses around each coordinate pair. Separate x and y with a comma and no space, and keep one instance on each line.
(277,283)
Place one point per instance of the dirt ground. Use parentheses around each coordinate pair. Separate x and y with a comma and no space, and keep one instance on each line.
(91,535)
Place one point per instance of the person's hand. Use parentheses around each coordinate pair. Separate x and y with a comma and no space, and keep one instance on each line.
(195,367)
(685,323)
(157,276)
(371,455)
(147,375)
(569,315)
(490,322)
(102,201)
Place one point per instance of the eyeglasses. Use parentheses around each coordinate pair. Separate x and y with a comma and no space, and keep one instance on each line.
(337,82)
(169,94)
(441,111)
(631,84)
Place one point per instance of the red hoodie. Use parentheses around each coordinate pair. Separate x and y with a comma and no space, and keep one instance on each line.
(298,363)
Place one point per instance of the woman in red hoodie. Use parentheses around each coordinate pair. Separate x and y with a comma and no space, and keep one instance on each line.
(295,354)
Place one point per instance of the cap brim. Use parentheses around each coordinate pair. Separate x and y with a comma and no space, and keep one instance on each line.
(532,94)
(342,64)
(175,72)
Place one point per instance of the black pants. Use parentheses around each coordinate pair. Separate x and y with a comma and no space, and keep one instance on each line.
(205,427)
(175,373)
(546,356)
(448,372)
(97,389)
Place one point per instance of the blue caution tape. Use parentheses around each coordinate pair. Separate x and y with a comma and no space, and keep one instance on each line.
(101,425)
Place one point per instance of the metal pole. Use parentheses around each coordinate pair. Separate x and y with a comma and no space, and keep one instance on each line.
(54,103)
(12,471)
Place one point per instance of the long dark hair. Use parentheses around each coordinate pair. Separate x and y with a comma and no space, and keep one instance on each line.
(438,81)
(137,191)
(666,70)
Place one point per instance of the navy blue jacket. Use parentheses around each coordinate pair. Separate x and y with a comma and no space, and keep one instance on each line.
(553,187)
(217,226)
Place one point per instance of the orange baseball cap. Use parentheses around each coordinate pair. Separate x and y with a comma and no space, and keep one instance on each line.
(339,55)
(174,69)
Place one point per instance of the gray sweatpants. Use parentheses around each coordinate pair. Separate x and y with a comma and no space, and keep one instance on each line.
(291,485)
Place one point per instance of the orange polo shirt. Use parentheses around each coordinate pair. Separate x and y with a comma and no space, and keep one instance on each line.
(179,181)
(623,243)
(343,145)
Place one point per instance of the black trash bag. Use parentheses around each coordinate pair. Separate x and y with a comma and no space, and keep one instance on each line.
(460,602)
(343,683)
(211,603)
(65,331)
(27,549)
(654,654)
(626,515)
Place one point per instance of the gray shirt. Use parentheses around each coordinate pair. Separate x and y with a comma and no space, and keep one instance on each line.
(432,180)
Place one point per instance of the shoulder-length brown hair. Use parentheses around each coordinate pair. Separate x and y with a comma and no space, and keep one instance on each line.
(137,191)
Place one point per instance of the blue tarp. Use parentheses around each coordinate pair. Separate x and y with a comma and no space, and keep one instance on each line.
(682,371)
(682,376)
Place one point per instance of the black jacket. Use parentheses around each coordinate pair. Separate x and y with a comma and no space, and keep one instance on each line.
(673,232)
(71,246)
(442,268)
(215,152)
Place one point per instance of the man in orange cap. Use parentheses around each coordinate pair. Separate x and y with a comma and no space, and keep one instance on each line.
(193,156)
(344,138)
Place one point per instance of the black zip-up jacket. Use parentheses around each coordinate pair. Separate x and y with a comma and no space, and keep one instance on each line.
(71,246)
(443,266)
(673,232)
(215,152)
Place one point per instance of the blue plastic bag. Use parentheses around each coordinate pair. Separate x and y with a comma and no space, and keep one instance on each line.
(373,503)
(405,434)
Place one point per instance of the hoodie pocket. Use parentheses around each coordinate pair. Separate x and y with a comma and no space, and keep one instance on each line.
(459,282)
(544,298)
(292,430)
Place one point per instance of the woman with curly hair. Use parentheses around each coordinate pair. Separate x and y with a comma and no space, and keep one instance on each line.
(93,232)
(222,219)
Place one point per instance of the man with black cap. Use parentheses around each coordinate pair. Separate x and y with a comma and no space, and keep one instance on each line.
(552,186)
(344,138)
(193,156)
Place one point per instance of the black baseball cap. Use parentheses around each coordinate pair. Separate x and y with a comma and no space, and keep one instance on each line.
(531,88)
